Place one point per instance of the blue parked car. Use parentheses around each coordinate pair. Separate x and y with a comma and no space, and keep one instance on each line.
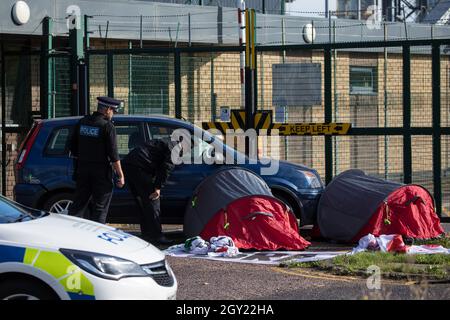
(44,171)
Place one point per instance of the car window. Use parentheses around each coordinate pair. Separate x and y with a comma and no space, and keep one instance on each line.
(12,212)
(157,131)
(129,136)
(57,144)
(160,132)
(198,145)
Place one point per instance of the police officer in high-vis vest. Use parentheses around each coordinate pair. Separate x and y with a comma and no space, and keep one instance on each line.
(94,149)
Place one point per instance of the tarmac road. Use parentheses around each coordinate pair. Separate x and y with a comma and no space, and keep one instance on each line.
(200,279)
(214,280)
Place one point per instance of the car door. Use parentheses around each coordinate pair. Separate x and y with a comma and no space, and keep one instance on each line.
(181,182)
(56,169)
(129,135)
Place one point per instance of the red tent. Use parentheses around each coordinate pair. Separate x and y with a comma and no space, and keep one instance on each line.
(355,204)
(408,211)
(258,222)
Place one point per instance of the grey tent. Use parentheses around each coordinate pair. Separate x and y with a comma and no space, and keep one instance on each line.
(216,192)
(355,204)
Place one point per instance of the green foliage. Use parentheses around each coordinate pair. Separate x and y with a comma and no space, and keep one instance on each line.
(398,265)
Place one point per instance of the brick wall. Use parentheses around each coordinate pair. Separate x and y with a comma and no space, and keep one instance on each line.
(13,140)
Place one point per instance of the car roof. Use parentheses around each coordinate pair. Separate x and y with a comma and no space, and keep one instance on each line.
(121,117)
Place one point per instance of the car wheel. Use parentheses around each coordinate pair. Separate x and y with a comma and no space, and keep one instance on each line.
(59,203)
(23,289)
(286,202)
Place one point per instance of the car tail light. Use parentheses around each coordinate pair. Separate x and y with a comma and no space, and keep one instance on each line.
(27,144)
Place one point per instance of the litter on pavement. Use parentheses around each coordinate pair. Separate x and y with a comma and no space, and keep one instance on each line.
(394,243)
(222,249)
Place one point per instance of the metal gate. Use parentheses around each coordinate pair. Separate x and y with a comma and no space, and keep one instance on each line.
(395,94)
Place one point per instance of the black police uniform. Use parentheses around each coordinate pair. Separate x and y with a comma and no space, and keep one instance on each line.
(146,168)
(94,147)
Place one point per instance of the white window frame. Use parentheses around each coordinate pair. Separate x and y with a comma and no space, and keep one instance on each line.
(355,90)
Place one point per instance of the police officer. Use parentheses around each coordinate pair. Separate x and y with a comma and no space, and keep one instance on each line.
(147,168)
(94,148)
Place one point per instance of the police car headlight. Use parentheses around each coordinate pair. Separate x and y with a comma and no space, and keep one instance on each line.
(104,266)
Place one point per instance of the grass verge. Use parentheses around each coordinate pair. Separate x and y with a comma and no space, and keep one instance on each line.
(396,266)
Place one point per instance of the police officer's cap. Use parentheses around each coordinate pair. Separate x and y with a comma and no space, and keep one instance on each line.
(107,102)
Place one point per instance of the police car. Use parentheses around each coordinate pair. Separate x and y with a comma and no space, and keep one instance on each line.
(51,256)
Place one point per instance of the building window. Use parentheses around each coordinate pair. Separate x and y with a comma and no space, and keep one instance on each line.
(363,80)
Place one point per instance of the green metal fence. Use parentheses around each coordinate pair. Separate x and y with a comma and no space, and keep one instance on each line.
(395,94)
(60,91)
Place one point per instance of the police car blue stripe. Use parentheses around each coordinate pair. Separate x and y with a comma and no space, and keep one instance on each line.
(76,296)
(11,254)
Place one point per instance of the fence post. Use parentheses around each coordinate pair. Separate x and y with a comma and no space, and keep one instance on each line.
(283,38)
(110,74)
(242,40)
(336,97)
(87,45)
(82,94)
(220,25)
(189,30)
(255,67)
(328,113)
(177,73)
(385,101)
(87,42)
(329,27)
(436,91)
(46,68)
(212,92)
(3,79)
(407,153)
(130,82)
(250,63)
(141,45)
(76,42)
(285,115)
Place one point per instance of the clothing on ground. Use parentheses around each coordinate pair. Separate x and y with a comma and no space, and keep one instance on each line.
(220,246)
(394,243)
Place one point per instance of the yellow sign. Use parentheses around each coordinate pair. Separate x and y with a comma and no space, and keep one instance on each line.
(297,129)
(263,121)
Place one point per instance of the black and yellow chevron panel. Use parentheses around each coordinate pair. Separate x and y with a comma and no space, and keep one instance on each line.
(237,121)
(263,121)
